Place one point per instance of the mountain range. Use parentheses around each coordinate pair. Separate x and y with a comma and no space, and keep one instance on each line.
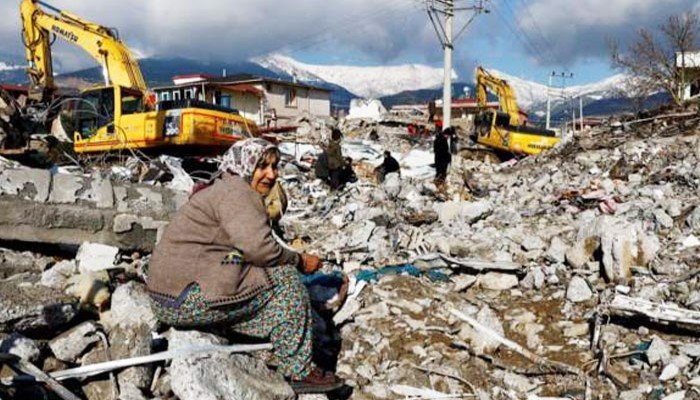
(398,84)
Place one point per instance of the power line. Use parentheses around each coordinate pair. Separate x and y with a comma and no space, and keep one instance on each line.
(533,22)
(533,44)
(519,38)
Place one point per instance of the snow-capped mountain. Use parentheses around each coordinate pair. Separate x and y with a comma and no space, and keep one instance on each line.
(368,82)
(9,67)
(11,72)
(532,95)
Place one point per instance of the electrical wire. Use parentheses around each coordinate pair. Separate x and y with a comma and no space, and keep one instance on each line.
(533,44)
(533,22)
(518,37)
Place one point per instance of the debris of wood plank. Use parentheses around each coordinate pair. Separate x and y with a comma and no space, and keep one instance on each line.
(458,378)
(39,375)
(539,360)
(473,263)
(100,368)
(414,393)
(666,314)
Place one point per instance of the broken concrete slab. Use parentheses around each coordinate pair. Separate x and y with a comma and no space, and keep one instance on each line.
(578,290)
(101,387)
(127,342)
(557,250)
(65,188)
(101,191)
(451,211)
(26,183)
(93,257)
(498,281)
(32,309)
(659,352)
(69,345)
(131,307)
(20,346)
(235,376)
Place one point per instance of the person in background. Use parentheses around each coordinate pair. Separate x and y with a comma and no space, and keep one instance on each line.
(217,263)
(388,166)
(443,158)
(454,140)
(336,161)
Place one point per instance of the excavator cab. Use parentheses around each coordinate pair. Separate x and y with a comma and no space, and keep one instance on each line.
(92,110)
(101,107)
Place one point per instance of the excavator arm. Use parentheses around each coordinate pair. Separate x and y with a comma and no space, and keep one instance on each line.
(506,96)
(119,66)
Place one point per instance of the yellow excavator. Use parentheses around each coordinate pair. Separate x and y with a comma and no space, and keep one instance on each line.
(122,114)
(504,129)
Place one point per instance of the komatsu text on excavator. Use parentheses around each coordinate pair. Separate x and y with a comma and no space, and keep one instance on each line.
(122,114)
(503,129)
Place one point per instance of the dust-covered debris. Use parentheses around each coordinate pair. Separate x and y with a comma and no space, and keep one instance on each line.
(582,262)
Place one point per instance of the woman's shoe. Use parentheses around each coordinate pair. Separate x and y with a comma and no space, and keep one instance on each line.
(318,381)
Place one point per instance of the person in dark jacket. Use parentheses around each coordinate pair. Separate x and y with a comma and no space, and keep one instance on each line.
(388,166)
(218,263)
(336,161)
(443,158)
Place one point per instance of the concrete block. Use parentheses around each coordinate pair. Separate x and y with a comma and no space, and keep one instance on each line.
(95,257)
(125,223)
(65,188)
(28,183)
(70,344)
(101,192)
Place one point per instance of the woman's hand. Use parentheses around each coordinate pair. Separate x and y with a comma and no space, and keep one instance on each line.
(310,263)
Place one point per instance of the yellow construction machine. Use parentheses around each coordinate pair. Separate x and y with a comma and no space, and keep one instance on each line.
(122,114)
(504,129)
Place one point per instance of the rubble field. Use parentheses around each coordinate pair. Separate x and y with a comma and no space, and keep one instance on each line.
(574,274)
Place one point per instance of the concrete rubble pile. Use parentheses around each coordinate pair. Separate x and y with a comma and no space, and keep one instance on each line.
(573,274)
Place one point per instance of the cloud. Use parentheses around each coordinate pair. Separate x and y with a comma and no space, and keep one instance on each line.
(221,30)
(564,32)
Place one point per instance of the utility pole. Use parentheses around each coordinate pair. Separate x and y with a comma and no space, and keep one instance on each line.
(447,8)
(580,111)
(549,101)
(447,84)
(563,76)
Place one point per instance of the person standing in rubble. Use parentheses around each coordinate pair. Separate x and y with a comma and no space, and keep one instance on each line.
(217,263)
(443,157)
(336,161)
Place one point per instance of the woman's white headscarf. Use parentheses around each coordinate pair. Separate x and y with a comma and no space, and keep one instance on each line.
(243,157)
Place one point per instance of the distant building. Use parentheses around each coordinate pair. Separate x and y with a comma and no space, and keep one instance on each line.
(691,60)
(269,102)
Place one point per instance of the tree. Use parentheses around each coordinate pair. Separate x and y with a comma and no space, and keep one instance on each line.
(658,59)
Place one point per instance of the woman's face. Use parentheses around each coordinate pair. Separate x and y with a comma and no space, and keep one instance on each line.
(265,174)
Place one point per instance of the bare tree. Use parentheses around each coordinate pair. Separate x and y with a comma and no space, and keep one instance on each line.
(636,90)
(658,59)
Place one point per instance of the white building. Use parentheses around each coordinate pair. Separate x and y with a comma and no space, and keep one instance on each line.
(269,102)
(691,61)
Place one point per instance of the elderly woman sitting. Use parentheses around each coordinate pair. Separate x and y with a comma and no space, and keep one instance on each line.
(218,263)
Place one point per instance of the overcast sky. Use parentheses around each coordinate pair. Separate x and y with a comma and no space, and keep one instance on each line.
(527,38)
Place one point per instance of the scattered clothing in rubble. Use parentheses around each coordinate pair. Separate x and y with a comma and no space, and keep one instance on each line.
(323,288)
(374,275)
